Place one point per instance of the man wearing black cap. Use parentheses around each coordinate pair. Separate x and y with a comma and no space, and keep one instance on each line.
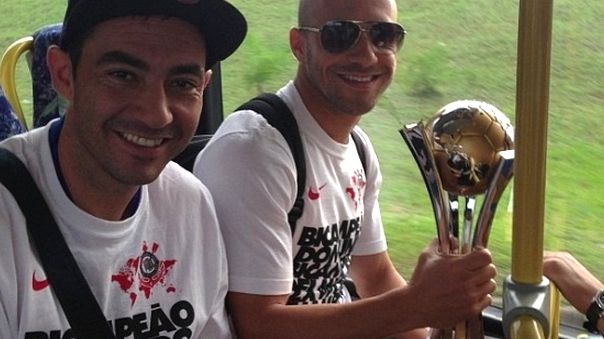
(134,73)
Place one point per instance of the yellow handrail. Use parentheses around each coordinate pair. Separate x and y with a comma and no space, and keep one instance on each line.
(8,65)
(554,328)
(532,98)
(526,327)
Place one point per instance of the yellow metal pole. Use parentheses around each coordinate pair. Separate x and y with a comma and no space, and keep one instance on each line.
(554,312)
(532,98)
(526,328)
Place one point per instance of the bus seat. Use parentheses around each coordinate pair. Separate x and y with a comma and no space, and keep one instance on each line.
(10,124)
(8,65)
(46,103)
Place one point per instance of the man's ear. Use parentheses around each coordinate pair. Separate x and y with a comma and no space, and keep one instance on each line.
(207,78)
(296,43)
(61,72)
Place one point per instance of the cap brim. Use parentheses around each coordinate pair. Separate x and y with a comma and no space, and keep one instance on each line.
(221,24)
(223,27)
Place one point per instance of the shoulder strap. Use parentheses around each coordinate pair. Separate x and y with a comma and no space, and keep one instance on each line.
(62,271)
(278,115)
(187,157)
(360,149)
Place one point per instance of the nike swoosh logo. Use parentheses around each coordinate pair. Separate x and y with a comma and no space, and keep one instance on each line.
(314,195)
(38,285)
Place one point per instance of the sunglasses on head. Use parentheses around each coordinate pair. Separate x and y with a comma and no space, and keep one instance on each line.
(338,36)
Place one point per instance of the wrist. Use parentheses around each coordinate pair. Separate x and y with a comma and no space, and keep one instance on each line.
(595,313)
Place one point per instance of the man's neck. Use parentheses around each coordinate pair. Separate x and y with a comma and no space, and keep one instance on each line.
(338,125)
(103,200)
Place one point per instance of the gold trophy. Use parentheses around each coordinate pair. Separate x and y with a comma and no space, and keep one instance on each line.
(464,151)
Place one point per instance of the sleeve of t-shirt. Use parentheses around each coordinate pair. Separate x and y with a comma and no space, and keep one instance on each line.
(250,171)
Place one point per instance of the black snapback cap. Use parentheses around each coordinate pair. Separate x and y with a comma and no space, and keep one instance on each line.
(221,24)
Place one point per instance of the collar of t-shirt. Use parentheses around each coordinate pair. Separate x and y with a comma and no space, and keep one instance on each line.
(53,138)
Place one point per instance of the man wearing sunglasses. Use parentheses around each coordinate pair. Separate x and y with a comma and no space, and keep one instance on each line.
(292,285)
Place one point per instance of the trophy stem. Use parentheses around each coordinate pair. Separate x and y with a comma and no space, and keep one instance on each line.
(454,213)
(460,330)
(475,329)
(497,186)
(466,245)
(417,141)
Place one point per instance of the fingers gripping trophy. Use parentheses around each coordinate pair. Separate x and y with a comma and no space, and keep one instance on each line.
(465,154)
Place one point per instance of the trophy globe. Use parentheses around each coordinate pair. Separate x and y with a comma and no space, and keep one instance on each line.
(466,138)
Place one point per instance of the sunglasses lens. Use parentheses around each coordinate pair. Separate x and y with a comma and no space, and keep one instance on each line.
(387,36)
(338,36)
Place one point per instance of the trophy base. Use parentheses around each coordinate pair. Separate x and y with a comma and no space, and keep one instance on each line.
(470,329)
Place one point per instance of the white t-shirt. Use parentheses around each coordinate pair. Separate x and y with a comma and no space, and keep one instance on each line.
(250,171)
(160,273)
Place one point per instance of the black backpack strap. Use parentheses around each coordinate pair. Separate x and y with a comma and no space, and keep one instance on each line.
(187,157)
(278,115)
(79,304)
(360,149)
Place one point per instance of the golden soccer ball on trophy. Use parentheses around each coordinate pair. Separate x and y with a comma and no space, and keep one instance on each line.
(466,137)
